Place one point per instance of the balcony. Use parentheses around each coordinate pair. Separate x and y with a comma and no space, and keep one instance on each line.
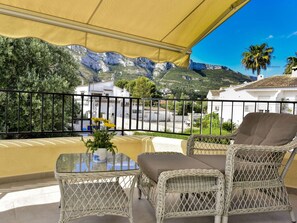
(28,191)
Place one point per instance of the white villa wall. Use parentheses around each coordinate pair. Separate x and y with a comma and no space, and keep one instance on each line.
(152,115)
(103,89)
(226,110)
(240,109)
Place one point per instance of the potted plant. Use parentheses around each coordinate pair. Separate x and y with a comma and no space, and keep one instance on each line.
(100,143)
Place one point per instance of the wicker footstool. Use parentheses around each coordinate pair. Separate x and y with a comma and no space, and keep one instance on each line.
(180,186)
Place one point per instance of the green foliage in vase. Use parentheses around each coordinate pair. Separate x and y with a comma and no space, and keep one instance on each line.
(101,136)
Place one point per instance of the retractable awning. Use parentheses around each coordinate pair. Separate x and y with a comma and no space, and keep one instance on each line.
(161,30)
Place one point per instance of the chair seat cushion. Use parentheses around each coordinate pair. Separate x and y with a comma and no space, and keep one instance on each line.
(267,129)
(215,161)
(153,164)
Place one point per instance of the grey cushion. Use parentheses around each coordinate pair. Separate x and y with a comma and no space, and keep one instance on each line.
(153,164)
(267,129)
(216,161)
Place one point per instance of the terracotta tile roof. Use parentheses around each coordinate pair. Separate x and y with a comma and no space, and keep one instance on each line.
(272,82)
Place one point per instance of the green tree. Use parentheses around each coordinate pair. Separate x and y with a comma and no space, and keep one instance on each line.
(212,118)
(183,107)
(122,83)
(257,57)
(33,65)
(143,87)
(291,62)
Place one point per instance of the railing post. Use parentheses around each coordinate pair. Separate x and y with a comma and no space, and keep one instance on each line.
(166,110)
(192,117)
(31,95)
(63,108)
(123,116)
(6,108)
(137,113)
(82,113)
(130,114)
(19,112)
(72,113)
(91,112)
(115,112)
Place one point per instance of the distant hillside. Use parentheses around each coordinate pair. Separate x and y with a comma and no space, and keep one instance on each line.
(201,81)
(195,81)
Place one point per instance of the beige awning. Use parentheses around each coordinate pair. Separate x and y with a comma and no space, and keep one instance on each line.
(161,30)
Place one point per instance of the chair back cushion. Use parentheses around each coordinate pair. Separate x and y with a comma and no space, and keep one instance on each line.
(270,129)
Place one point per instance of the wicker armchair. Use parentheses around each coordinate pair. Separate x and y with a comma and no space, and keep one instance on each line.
(252,161)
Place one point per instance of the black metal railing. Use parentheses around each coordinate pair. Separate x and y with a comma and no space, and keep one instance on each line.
(41,113)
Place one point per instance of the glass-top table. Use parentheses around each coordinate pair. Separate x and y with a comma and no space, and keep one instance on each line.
(84,163)
(91,188)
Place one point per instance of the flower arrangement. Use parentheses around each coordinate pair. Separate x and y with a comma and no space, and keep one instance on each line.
(101,136)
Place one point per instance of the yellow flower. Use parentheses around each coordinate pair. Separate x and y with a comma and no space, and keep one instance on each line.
(101,136)
(109,125)
(97,120)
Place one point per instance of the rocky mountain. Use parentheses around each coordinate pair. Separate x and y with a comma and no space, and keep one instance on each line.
(105,62)
(113,66)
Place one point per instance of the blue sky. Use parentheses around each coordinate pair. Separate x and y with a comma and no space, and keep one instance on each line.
(261,21)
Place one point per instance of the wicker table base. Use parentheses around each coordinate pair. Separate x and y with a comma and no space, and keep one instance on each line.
(96,192)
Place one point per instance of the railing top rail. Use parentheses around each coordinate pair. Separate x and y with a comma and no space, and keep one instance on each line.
(146,99)
(61,93)
(214,100)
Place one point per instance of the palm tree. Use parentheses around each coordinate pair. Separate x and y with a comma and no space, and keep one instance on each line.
(291,62)
(257,57)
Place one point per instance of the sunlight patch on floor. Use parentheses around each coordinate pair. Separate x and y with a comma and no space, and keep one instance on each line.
(43,195)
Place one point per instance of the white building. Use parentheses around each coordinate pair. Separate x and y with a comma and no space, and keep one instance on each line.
(99,103)
(151,114)
(276,88)
(103,89)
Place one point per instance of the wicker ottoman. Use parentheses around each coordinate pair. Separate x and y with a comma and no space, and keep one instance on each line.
(180,186)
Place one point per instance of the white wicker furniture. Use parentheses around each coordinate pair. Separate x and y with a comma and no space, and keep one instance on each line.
(179,186)
(254,167)
(89,188)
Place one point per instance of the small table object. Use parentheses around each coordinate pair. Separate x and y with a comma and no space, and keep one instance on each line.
(90,188)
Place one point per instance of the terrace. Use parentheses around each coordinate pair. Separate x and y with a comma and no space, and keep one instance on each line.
(28,189)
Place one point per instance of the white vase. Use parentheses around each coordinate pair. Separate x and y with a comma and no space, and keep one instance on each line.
(99,156)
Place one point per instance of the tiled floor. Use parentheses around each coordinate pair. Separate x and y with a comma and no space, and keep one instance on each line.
(38,202)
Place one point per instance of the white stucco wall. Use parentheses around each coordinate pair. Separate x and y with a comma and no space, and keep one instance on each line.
(240,109)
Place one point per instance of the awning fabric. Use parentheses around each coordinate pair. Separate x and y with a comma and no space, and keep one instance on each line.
(161,30)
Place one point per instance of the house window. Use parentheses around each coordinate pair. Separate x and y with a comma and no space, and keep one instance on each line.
(217,108)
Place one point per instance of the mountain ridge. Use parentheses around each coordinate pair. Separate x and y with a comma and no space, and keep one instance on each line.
(107,66)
